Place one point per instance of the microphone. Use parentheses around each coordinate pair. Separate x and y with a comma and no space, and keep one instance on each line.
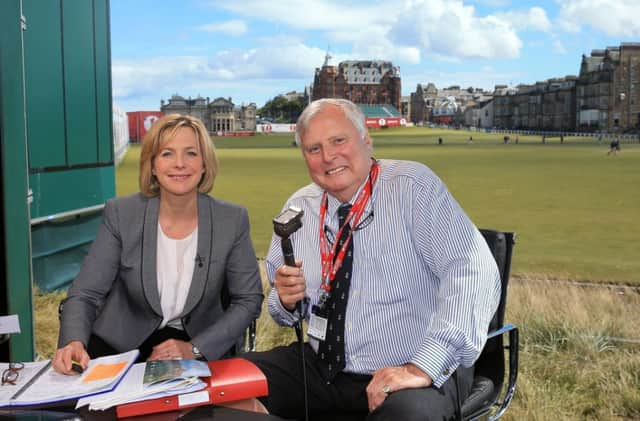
(199,260)
(285,224)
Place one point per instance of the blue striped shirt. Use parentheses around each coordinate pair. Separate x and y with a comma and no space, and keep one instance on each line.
(424,285)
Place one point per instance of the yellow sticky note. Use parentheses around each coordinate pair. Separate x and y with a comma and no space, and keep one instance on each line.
(104,371)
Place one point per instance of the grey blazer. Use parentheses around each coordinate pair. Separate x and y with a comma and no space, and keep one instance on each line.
(115,295)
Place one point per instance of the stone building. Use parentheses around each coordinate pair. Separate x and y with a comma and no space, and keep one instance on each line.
(608,90)
(177,104)
(604,97)
(445,106)
(363,82)
(303,97)
(559,104)
(219,115)
(405,107)
(548,105)
(479,114)
(446,110)
(502,110)
(422,102)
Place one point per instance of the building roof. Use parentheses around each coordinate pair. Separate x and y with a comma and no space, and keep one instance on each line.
(367,71)
(376,111)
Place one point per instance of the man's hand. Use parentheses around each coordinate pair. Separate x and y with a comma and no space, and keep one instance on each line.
(391,379)
(72,352)
(290,285)
(172,349)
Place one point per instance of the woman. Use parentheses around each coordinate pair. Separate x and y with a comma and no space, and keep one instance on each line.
(162,261)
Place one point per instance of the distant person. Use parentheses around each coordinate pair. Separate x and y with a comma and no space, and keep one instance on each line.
(517,139)
(440,141)
(470,139)
(505,139)
(561,139)
(614,147)
(544,139)
(407,293)
(155,274)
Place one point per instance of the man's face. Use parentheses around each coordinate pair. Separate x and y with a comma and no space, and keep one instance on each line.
(337,156)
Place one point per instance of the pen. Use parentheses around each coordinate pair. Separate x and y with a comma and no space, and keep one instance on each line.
(77,367)
(30,382)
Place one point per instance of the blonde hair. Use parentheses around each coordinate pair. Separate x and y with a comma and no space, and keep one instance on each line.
(163,131)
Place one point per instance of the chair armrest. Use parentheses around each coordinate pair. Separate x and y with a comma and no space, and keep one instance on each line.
(514,350)
(501,331)
(251,340)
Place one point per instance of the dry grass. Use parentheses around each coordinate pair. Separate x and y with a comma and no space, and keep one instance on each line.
(579,348)
(579,351)
(46,322)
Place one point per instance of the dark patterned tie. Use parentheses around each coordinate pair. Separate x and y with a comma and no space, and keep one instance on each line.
(331,350)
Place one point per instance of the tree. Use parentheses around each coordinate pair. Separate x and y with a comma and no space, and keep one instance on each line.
(281,110)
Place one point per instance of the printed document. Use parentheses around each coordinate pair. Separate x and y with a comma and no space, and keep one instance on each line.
(151,380)
(38,383)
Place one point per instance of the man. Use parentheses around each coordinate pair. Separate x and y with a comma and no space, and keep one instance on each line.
(414,304)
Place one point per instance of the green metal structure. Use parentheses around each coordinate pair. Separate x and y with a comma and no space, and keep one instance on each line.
(56,147)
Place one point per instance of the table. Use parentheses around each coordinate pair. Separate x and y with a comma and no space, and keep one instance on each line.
(200,413)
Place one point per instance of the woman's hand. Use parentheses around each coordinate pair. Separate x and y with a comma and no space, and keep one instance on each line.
(172,349)
(65,357)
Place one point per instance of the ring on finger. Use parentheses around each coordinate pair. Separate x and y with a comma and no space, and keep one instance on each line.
(386,389)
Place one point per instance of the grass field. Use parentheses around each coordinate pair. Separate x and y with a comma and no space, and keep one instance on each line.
(575,211)
(574,208)
(575,363)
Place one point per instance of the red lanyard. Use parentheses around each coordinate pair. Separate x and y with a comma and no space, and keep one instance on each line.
(330,263)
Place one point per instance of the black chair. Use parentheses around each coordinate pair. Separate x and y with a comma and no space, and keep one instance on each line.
(489,398)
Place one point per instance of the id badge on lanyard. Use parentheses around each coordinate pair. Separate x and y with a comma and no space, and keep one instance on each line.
(318,321)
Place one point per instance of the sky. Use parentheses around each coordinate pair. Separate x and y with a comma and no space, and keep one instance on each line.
(254,50)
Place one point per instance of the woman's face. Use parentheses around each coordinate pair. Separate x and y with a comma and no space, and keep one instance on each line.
(179,167)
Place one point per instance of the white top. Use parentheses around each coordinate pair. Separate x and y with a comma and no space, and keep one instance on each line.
(175,263)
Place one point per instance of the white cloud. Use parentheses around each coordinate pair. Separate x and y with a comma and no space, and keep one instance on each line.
(614,18)
(450,29)
(148,76)
(320,15)
(222,74)
(277,61)
(407,31)
(535,18)
(491,3)
(140,84)
(233,27)
(373,43)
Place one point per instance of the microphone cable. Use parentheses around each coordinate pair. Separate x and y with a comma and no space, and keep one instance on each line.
(298,329)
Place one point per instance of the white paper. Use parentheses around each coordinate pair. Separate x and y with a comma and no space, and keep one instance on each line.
(131,389)
(193,398)
(9,324)
(29,370)
(52,386)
